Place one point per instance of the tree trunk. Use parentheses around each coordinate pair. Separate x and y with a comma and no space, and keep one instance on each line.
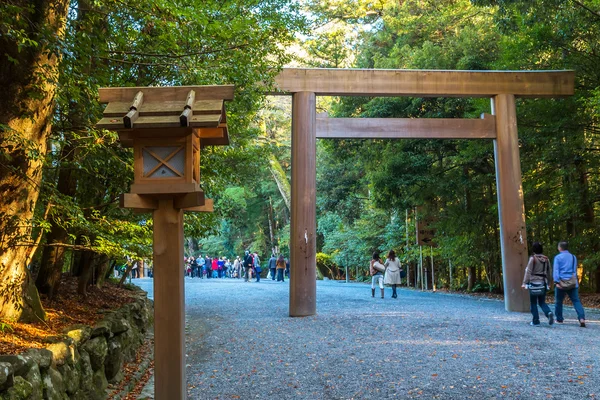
(100,272)
(470,278)
(87,262)
(127,272)
(53,257)
(28,82)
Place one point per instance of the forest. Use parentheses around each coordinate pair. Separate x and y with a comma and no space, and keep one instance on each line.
(61,178)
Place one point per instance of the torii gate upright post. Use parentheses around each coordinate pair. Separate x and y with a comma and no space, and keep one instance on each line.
(511,206)
(303,273)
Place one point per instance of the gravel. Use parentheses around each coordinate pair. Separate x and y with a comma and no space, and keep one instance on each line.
(241,344)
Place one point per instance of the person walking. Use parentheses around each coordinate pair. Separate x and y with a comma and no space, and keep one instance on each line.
(536,281)
(208,264)
(272,266)
(215,267)
(280,266)
(376,269)
(257,268)
(248,264)
(201,269)
(392,272)
(566,283)
(236,267)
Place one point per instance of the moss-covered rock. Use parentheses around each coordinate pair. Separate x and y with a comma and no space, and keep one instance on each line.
(114,361)
(97,348)
(102,328)
(20,364)
(99,379)
(86,373)
(60,352)
(20,390)
(119,325)
(42,357)
(70,378)
(79,334)
(54,388)
(6,372)
(34,376)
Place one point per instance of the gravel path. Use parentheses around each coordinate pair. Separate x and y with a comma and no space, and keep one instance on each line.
(241,344)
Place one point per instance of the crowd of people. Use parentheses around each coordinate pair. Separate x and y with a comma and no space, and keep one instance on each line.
(247,267)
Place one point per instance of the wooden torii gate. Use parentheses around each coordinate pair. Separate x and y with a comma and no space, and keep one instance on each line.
(502,87)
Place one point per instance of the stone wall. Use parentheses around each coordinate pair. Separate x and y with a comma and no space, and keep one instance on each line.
(80,364)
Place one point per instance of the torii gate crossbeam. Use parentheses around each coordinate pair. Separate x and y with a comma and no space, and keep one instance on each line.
(502,87)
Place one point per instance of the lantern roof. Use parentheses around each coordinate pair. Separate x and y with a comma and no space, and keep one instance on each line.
(170,111)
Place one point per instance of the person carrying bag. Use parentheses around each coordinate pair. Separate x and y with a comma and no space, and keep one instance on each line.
(566,283)
(376,269)
(536,281)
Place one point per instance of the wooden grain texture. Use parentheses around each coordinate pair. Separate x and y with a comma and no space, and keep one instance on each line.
(111,123)
(163,186)
(303,301)
(511,208)
(205,120)
(425,83)
(166,93)
(406,128)
(169,303)
(189,200)
(207,207)
(131,200)
(119,108)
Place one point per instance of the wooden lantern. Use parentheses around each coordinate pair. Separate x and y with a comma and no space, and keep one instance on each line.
(167,127)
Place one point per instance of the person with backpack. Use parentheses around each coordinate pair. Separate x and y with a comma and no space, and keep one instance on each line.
(566,283)
(536,281)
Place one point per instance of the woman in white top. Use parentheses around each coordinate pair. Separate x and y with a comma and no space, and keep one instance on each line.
(392,272)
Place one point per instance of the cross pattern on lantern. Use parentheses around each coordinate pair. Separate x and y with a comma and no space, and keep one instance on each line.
(156,161)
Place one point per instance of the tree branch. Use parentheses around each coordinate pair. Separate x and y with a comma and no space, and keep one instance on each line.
(594,13)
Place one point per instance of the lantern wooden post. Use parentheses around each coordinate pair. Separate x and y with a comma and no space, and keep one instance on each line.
(303,262)
(167,126)
(169,302)
(511,208)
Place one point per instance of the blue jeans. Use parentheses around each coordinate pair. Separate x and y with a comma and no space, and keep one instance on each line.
(559,295)
(273,273)
(280,275)
(541,300)
(257,275)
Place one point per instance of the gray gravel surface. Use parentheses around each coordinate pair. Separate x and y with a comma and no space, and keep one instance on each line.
(241,344)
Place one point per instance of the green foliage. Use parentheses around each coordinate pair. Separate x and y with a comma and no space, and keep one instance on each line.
(6,327)
(151,43)
(363,184)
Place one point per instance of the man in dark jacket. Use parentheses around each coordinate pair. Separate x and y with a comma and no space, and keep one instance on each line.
(273,266)
(248,264)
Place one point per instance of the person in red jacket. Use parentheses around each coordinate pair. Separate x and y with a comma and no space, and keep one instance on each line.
(215,268)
